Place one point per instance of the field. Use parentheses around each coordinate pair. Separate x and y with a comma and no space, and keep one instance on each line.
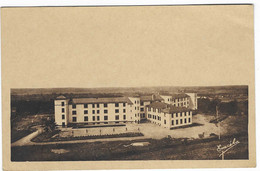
(163,149)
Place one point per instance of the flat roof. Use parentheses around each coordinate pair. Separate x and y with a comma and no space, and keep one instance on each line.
(101,100)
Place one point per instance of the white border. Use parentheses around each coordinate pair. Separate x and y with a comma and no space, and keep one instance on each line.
(32,3)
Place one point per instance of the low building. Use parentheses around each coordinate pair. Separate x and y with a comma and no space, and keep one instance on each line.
(168,116)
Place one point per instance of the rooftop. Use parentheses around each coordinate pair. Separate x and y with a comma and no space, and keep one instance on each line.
(167,108)
(60,97)
(101,100)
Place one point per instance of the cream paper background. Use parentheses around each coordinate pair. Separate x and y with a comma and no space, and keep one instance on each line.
(127,46)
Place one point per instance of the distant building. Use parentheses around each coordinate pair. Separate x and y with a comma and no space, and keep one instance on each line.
(116,110)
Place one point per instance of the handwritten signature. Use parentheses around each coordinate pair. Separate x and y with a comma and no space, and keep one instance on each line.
(223,149)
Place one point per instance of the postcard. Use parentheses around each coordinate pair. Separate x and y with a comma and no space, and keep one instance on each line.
(128,87)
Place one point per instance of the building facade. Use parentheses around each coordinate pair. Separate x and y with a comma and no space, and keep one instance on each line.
(119,110)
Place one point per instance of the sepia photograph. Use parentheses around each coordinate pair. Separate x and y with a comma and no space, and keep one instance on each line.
(128,87)
(159,123)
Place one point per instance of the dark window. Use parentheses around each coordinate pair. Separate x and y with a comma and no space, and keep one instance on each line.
(63,116)
(172,115)
(181,114)
(97,111)
(135,101)
(85,111)
(105,118)
(117,110)
(142,109)
(85,105)
(93,118)
(97,105)
(105,111)
(62,110)
(85,118)
(62,103)
(93,105)
(93,111)
(185,114)
(172,122)
(117,117)
(124,104)
(189,120)
(177,122)
(105,104)
(116,104)
(180,121)
(98,118)
(176,114)
(123,110)
(74,112)
(63,124)
(185,120)
(74,119)
(74,106)
(142,103)
(124,117)
(164,121)
(105,122)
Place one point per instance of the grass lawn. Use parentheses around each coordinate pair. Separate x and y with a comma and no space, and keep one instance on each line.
(164,149)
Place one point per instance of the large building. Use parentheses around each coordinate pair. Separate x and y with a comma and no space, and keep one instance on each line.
(119,110)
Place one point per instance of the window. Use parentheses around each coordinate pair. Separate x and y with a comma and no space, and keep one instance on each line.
(124,117)
(142,103)
(105,118)
(93,118)
(85,111)
(168,100)
(85,118)
(105,111)
(149,109)
(63,116)
(142,109)
(62,103)
(172,115)
(181,114)
(93,111)
(189,120)
(105,104)
(62,110)
(85,105)
(185,120)
(117,110)
(93,105)
(74,119)
(98,118)
(172,122)
(63,124)
(180,121)
(74,112)
(164,121)
(97,111)
(116,105)
(177,122)
(97,105)
(117,117)
(73,106)
(124,104)
(123,110)
(135,101)
(185,113)
(176,114)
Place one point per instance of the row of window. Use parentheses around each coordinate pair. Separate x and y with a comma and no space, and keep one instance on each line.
(154,117)
(182,114)
(74,112)
(74,106)
(177,99)
(86,118)
(181,121)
